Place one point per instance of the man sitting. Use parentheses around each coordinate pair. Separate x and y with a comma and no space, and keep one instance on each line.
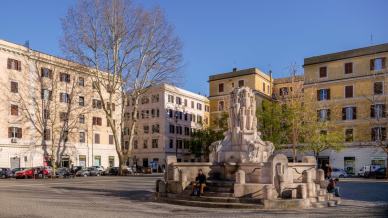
(333,188)
(200,183)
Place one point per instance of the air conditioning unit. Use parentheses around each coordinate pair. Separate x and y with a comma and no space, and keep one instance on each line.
(14,140)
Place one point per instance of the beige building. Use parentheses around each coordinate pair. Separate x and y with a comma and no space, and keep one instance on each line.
(167,117)
(221,85)
(37,90)
(349,88)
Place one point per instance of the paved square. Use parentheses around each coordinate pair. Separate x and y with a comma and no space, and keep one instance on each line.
(133,197)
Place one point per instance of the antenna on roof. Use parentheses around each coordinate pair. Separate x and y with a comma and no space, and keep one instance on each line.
(371,38)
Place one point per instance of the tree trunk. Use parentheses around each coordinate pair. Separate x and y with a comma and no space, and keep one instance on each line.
(122,164)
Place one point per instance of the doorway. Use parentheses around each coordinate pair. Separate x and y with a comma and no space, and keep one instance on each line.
(15,162)
(349,164)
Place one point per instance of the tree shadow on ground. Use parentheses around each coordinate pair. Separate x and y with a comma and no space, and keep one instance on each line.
(133,195)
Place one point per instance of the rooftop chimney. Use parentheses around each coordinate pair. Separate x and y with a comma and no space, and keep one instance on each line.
(234,69)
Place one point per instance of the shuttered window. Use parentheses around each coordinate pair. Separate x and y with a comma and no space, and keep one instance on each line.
(322,72)
(348,68)
(15,132)
(348,91)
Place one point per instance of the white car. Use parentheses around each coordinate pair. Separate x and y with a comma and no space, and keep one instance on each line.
(367,169)
(338,173)
(99,168)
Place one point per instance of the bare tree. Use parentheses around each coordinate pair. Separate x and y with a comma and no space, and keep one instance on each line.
(127,49)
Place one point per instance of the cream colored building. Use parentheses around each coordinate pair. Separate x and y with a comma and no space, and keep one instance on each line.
(221,85)
(167,117)
(349,88)
(29,77)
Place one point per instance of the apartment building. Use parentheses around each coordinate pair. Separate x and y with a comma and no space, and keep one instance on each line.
(349,88)
(167,116)
(221,85)
(37,90)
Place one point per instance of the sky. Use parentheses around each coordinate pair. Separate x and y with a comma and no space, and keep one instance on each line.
(219,35)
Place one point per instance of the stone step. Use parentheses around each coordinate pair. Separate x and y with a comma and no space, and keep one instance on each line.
(218,194)
(317,205)
(211,204)
(216,199)
(220,183)
(219,189)
(321,198)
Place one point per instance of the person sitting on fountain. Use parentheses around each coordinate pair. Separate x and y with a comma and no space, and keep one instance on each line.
(199,184)
(333,188)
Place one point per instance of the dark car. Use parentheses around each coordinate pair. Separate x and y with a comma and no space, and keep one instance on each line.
(90,171)
(63,172)
(77,168)
(381,173)
(5,173)
(112,171)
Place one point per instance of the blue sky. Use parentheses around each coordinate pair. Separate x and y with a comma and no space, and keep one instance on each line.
(221,34)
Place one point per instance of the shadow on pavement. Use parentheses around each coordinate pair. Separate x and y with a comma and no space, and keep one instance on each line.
(133,195)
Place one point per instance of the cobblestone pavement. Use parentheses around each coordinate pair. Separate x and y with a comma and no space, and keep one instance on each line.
(133,197)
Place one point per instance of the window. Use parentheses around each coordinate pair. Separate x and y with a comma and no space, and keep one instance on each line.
(146,129)
(64,97)
(81,81)
(178,100)
(145,143)
(221,87)
(108,123)
(111,161)
(186,144)
(199,119)
(323,94)
(170,113)
(81,118)
(378,134)
(135,144)
(378,88)
(377,111)
(81,137)
(170,98)
(96,104)
(192,118)
(268,88)
(263,87)
(187,131)
(81,101)
(64,77)
(172,129)
(155,128)
(46,134)
(199,106)
(322,72)
(13,64)
(46,94)
(154,143)
(207,108)
(171,143)
(185,102)
(155,98)
(14,132)
(192,104)
(14,87)
(377,64)
(240,83)
(221,105)
(348,91)
(349,135)
(179,130)
(95,85)
(323,115)
(97,121)
(110,88)
(46,114)
(145,100)
(45,72)
(179,143)
(283,91)
(349,113)
(63,116)
(108,104)
(111,139)
(97,138)
(348,68)
(14,110)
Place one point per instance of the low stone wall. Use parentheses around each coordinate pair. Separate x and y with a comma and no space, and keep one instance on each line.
(297,169)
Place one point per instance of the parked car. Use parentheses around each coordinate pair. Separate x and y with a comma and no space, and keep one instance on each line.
(14,170)
(381,173)
(77,168)
(368,170)
(99,168)
(112,171)
(43,171)
(338,173)
(90,171)
(5,173)
(25,174)
(63,172)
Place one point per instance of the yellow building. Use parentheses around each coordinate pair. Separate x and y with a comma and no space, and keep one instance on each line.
(221,85)
(349,89)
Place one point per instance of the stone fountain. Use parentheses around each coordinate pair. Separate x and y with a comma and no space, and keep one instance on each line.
(244,172)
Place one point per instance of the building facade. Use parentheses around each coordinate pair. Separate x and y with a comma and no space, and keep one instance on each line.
(167,116)
(349,89)
(221,85)
(39,93)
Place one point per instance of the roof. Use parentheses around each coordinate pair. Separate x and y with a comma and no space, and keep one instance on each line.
(346,54)
(297,78)
(237,73)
